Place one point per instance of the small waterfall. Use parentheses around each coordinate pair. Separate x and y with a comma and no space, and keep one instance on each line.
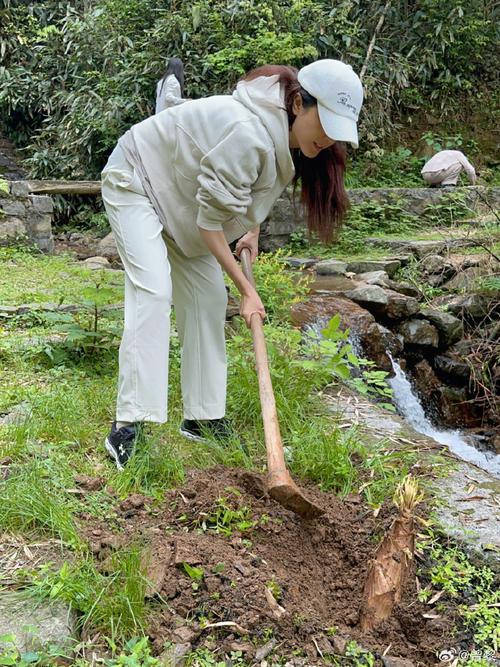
(410,407)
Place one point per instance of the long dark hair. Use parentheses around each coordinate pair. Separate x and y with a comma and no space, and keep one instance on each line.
(175,67)
(322,190)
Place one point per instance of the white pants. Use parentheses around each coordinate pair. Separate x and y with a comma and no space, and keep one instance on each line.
(448,176)
(158,274)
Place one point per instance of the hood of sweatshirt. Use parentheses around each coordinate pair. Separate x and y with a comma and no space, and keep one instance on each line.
(263,97)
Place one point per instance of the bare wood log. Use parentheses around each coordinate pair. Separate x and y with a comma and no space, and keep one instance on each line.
(91,188)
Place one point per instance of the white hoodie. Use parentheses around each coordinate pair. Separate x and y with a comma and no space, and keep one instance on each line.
(168,93)
(218,163)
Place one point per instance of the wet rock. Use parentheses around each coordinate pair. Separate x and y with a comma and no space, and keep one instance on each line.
(330,267)
(419,332)
(96,263)
(393,342)
(455,409)
(450,328)
(454,369)
(390,266)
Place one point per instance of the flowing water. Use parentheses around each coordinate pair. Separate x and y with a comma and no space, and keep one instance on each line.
(410,407)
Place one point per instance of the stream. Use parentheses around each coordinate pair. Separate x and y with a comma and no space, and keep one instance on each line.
(410,407)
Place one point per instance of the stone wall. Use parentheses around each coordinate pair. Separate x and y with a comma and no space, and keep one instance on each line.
(284,221)
(24,216)
(29,216)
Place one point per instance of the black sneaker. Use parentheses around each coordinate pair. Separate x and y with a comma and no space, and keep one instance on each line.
(120,443)
(207,429)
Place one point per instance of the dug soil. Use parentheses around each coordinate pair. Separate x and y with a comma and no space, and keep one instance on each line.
(217,543)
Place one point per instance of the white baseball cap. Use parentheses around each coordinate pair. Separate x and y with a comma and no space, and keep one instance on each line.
(339,93)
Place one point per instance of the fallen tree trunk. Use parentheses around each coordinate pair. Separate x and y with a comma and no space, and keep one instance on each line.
(91,188)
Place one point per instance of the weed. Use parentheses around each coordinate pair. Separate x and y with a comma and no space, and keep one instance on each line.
(450,209)
(372,218)
(135,653)
(152,468)
(361,657)
(451,571)
(275,589)
(279,289)
(332,355)
(10,654)
(195,573)
(29,499)
(224,519)
(110,603)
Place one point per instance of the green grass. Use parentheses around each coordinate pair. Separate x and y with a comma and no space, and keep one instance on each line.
(450,570)
(27,276)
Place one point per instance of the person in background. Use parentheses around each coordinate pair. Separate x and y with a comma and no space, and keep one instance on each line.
(170,88)
(443,169)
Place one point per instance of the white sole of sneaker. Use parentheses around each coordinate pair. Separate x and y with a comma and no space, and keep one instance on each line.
(191,436)
(112,453)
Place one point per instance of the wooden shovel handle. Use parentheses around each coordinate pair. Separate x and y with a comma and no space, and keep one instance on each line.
(274,446)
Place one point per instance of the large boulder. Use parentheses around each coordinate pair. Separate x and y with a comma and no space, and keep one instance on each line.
(364,329)
(450,327)
(383,302)
(419,333)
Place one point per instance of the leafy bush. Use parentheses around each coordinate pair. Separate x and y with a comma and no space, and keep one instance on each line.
(278,288)
(372,218)
(74,76)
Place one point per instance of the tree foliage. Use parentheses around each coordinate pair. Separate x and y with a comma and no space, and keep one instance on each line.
(75,75)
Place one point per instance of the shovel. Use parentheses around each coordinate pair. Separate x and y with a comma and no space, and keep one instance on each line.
(280,484)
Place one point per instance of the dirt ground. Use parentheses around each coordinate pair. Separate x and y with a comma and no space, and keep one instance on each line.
(316,571)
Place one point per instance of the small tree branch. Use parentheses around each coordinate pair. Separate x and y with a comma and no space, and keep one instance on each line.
(378,27)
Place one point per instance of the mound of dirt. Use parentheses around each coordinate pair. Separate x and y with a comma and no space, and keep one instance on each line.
(232,570)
